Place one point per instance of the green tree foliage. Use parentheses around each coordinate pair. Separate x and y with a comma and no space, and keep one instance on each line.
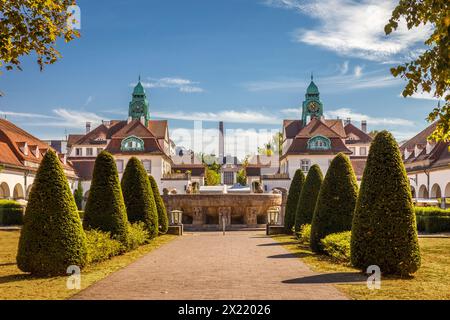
(163,219)
(33,26)
(105,208)
(384,231)
(212,178)
(308,197)
(52,237)
(78,195)
(335,202)
(138,196)
(430,71)
(292,200)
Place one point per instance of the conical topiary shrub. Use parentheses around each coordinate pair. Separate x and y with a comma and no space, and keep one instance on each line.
(78,195)
(292,200)
(163,220)
(52,237)
(335,202)
(308,197)
(138,196)
(384,231)
(105,207)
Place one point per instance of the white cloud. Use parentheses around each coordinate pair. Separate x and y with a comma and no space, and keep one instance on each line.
(225,115)
(344,67)
(25,115)
(291,111)
(358,71)
(88,101)
(423,95)
(344,113)
(341,82)
(183,85)
(354,28)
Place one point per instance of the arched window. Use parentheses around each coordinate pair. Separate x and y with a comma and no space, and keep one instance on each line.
(132,143)
(319,143)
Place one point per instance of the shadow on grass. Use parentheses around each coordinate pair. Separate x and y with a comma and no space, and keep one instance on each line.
(15,278)
(337,277)
(7,264)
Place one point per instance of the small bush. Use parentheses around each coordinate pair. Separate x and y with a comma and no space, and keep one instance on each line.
(138,235)
(100,246)
(11,213)
(431,211)
(337,245)
(163,219)
(304,234)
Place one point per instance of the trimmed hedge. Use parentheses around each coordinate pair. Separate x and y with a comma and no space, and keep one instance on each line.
(308,197)
(11,213)
(101,247)
(292,200)
(304,233)
(336,201)
(52,236)
(138,234)
(432,219)
(337,245)
(78,195)
(163,219)
(384,231)
(105,208)
(138,196)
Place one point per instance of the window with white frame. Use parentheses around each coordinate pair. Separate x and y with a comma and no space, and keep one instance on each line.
(99,150)
(353,150)
(363,151)
(147,165)
(78,151)
(305,164)
(119,164)
(89,152)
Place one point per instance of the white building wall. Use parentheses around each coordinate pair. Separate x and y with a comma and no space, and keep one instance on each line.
(294,162)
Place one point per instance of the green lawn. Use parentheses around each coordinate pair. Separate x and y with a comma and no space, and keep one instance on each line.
(14,284)
(432,281)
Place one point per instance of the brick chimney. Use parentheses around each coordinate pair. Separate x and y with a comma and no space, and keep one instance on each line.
(88,126)
(364,126)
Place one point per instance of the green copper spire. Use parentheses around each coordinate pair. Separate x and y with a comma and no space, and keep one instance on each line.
(139,105)
(312,106)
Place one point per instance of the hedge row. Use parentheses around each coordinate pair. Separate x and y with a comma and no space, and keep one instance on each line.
(11,213)
(53,238)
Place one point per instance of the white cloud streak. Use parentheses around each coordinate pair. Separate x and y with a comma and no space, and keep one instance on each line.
(354,28)
(344,113)
(183,85)
(225,115)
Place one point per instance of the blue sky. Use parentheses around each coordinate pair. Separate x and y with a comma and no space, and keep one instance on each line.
(247,62)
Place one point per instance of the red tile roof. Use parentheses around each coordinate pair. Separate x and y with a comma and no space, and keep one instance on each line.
(13,140)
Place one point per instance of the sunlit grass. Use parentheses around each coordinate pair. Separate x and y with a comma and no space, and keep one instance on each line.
(432,281)
(14,284)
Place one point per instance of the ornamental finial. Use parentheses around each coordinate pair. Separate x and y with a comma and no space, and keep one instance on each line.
(312,77)
(139,78)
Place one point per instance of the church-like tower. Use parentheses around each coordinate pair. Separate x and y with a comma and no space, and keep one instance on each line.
(312,106)
(139,106)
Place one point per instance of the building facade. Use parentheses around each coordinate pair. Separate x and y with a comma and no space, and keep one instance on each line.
(427,164)
(20,156)
(313,139)
(139,136)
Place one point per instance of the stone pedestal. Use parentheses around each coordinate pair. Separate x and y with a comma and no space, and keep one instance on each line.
(224,212)
(198,217)
(176,230)
(251,216)
(274,229)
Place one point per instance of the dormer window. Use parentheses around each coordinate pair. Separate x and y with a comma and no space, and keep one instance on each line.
(132,143)
(23,147)
(319,143)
